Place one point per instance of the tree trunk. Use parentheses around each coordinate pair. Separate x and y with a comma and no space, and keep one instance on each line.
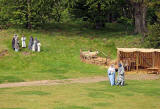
(140,18)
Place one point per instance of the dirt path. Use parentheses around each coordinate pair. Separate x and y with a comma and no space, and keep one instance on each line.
(79,80)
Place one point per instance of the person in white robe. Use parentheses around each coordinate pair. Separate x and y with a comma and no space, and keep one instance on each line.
(23,39)
(39,46)
(111,74)
(34,45)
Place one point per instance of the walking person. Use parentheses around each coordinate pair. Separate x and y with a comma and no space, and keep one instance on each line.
(111,74)
(120,78)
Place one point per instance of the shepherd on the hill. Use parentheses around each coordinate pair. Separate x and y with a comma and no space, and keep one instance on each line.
(111,74)
(23,39)
(120,78)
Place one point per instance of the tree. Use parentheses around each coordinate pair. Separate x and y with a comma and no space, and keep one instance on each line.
(58,9)
(153,40)
(94,11)
(140,10)
(29,13)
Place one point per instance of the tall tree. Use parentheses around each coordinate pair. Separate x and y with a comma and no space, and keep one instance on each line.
(140,9)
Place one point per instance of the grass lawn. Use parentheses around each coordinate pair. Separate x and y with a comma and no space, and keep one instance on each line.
(135,95)
(61,45)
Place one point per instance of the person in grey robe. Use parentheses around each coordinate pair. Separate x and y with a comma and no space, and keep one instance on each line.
(36,46)
(30,43)
(120,78)
(13,42)
(16,44)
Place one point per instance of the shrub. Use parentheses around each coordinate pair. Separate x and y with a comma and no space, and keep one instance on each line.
(153,40)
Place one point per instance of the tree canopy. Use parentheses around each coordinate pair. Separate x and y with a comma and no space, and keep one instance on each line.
(34,13)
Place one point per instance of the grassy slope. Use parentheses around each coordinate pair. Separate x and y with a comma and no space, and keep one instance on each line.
(136,95)
(59,58)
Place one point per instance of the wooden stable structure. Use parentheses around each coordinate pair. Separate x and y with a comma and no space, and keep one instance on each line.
(138,58)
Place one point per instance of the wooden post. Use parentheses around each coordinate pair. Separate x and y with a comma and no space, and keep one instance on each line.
(137,60)
(153,58)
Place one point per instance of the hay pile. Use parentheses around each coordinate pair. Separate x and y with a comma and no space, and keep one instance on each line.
(92,58)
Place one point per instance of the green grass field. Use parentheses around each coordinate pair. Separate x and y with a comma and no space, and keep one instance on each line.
(135,95)
(61,45)
(59,59)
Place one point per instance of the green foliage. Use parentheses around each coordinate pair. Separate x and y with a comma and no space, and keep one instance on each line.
(93,11)
(125,21)
(153,13)
(153,40)
(30,13)
(36,13)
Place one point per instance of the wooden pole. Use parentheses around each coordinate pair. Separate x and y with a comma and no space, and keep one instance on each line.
(153,58)
(137,60)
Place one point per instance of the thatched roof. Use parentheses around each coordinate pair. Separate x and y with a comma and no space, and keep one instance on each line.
(138,49)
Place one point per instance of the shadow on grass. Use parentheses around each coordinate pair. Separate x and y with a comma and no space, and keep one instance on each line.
(79,29)
(100,95)
(72,107)
(32,93)
(10,79)
(103,104)
(12,108)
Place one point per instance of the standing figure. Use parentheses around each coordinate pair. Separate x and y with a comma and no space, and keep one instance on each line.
(30,43)
(39,46)
(16,44)
(120,78)
(13,42)
(23,39)
(111,74)
(36,46)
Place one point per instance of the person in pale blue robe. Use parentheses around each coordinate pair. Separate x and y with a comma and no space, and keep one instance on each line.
(120,78)
(111,75)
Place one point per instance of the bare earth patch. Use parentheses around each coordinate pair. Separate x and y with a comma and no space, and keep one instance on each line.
(26,53)
(79,80)
(4,53)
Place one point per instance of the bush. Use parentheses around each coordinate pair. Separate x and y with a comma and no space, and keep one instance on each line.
(153,40)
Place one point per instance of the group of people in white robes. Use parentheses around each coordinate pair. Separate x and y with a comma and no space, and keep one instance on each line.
(34,45)
(120,76)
